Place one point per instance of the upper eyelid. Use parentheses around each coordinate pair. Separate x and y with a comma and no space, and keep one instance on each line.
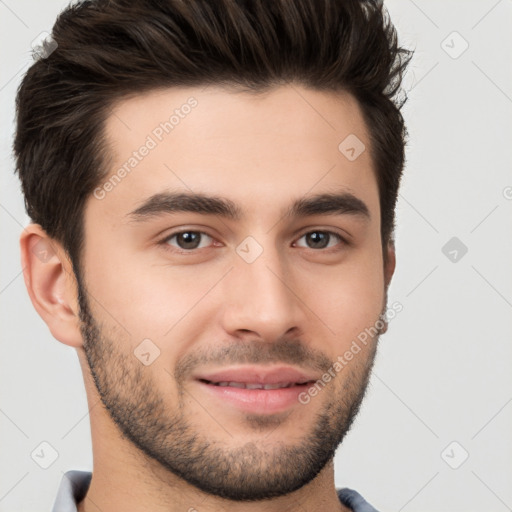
(301,233)
(185,230)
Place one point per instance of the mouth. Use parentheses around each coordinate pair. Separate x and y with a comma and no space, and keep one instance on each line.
(258,390)
(258,385)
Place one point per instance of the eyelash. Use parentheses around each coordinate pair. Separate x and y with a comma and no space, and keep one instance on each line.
(167,246)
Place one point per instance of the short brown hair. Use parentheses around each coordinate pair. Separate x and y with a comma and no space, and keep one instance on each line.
(108,49)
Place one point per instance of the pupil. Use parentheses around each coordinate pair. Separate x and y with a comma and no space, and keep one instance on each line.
(188,240)
(318,239)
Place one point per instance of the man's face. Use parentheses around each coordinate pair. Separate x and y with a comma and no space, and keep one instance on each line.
(266,296)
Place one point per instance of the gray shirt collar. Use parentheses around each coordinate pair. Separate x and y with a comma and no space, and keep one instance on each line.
(74,486)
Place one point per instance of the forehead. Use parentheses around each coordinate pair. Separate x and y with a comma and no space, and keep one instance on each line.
(261,150)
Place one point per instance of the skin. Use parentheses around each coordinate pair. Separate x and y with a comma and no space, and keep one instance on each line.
(211,307)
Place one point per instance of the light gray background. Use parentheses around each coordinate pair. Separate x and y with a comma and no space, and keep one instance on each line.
(443,369)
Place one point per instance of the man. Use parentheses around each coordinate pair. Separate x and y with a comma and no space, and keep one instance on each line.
(212,188)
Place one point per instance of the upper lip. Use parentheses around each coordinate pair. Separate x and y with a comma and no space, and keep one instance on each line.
(258,375)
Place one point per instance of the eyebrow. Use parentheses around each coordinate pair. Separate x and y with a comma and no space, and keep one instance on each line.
(320,204)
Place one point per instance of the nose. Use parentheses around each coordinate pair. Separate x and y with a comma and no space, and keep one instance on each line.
(260,299)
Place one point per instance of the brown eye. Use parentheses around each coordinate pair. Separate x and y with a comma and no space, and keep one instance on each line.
(189,240)
(320,239)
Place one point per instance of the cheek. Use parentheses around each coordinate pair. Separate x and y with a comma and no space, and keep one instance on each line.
(147,301)
(349,300)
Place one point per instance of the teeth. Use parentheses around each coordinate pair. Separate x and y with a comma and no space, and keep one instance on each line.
(254,386)
(277,386)
(234,384)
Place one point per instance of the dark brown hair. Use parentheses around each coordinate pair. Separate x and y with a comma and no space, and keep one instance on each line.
(108,49)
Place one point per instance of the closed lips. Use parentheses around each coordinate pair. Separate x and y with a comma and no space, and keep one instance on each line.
(257,377)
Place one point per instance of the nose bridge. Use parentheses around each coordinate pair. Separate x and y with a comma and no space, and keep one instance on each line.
(260,299)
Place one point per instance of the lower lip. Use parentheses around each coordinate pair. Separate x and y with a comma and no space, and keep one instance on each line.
(258,401)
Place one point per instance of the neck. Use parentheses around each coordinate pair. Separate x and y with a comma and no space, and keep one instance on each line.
(121,483)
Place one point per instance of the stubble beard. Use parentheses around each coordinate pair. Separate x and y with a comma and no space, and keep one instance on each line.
(163,432)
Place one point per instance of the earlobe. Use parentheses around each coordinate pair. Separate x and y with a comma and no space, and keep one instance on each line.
(51,284)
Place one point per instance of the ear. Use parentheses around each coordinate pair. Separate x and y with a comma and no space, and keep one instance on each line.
(390,263)
(51,284)
(389,269)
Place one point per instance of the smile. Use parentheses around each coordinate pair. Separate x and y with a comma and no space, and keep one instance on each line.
(250,385)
